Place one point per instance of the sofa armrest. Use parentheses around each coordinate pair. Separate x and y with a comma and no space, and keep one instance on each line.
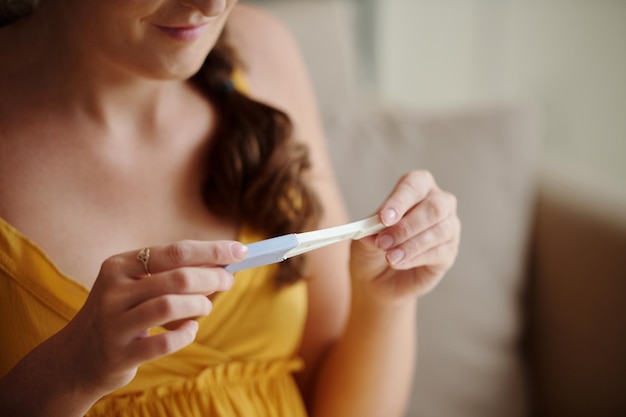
(577,302)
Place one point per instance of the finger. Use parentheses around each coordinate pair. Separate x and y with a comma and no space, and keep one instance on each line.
(162,310)
(429,212)
(436,260)
(411,189)
(184,253)
(196,253)
(189,280)
(405,254)
(152,347)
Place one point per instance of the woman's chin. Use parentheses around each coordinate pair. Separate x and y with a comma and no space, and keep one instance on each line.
(180,71)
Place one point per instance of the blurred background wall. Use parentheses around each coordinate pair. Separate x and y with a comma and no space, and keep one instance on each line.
(569,56)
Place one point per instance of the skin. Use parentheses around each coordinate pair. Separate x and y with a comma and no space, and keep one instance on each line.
(115,96)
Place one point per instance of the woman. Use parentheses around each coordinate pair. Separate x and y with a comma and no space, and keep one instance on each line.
(140,141)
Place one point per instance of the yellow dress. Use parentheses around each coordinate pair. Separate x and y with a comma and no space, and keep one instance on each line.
(241,363)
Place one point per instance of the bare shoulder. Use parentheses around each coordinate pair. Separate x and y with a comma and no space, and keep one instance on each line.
(261,39)
(254,23)
(271,57)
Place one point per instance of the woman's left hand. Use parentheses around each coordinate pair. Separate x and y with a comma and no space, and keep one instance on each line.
(420,243)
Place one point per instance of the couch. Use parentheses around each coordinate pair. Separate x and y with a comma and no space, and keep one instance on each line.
(531,320)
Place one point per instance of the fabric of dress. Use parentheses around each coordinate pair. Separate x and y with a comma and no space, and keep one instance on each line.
(241,363)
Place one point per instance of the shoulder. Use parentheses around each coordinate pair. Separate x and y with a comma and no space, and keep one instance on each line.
(270,56)
(256,22)
(256,33)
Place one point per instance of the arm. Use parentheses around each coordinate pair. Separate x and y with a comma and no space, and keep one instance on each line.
(371,362)
(39,385)
(359,341)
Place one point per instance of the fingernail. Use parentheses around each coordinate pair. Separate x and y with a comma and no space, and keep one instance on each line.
(230,281)
(389,217)
(395,256)
(194,326)
(239,251)
(385,242)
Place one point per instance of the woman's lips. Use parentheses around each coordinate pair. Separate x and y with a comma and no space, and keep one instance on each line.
(183,33)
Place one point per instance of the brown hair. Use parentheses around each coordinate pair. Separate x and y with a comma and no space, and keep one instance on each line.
(254,167)
(11,10)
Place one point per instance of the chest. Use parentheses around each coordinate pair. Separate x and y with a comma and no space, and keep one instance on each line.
(82,205)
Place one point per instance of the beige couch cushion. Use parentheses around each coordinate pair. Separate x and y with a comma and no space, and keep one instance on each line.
(470,326)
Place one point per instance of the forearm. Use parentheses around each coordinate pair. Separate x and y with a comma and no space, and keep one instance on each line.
(39,385)
(368,372)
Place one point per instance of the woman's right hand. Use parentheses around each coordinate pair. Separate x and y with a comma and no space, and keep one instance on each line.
(108,338)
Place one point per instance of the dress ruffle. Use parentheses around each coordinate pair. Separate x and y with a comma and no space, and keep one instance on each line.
(261,388)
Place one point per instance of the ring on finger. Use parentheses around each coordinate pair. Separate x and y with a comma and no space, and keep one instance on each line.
(144,257)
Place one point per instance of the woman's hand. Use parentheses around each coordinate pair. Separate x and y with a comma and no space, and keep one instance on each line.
(108,338)
(419,245)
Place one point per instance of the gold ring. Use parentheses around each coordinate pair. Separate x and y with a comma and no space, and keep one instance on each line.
(144,257)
